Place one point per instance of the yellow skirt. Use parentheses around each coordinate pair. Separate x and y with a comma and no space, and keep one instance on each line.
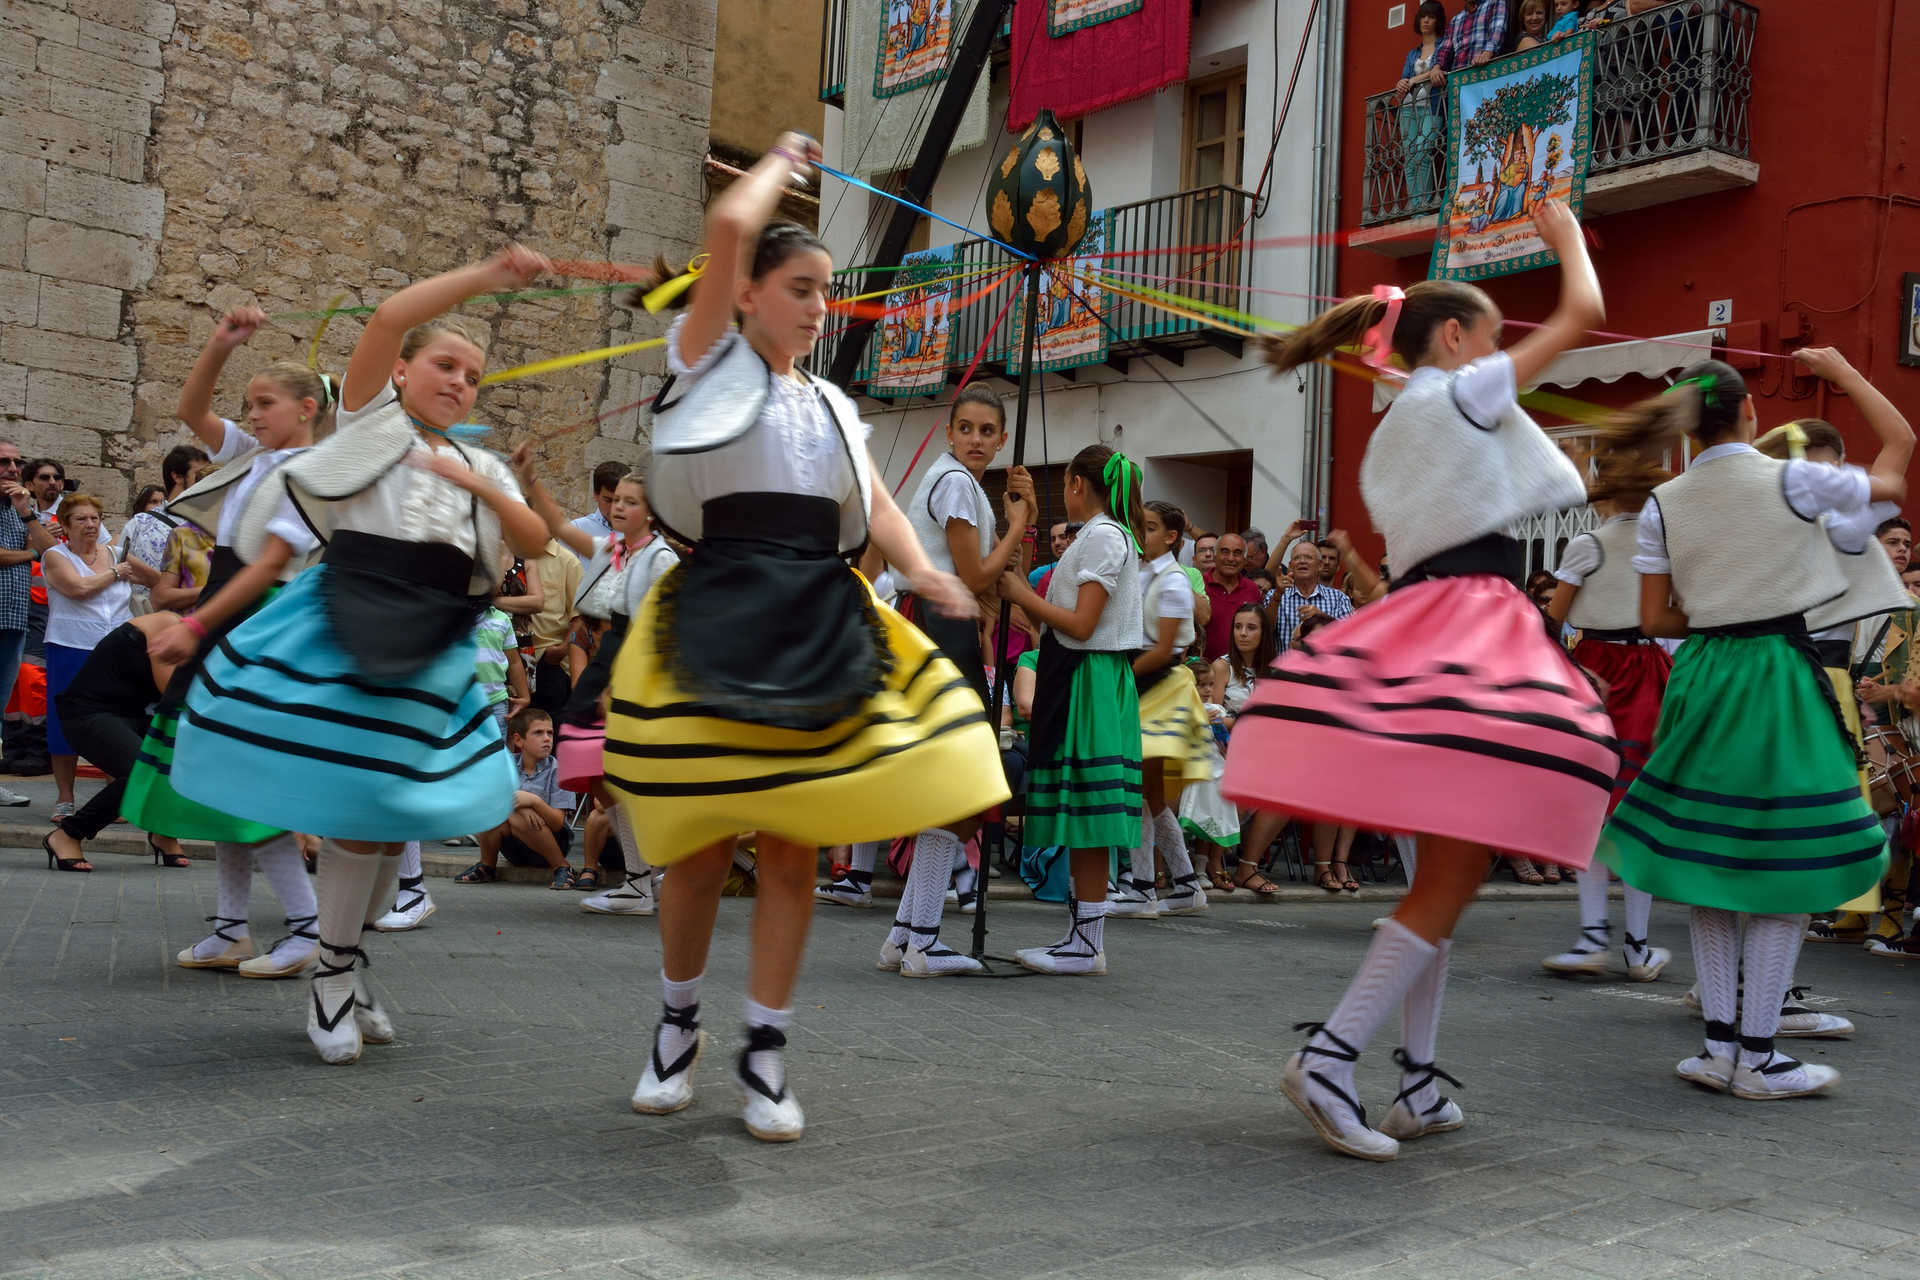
(1842,681)
(1173,729)
(918,754)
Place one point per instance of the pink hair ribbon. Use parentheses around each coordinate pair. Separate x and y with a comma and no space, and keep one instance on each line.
(1377,347)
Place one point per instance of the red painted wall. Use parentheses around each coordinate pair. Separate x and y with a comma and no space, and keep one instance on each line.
(1814,241)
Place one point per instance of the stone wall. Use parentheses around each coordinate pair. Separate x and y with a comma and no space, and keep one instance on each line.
(160,163)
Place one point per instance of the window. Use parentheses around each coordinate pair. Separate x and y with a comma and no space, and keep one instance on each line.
(1216,131)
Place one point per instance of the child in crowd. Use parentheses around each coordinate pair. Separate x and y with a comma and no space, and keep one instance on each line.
(1411,713)
(1084,780)
(537,834)
(497,666)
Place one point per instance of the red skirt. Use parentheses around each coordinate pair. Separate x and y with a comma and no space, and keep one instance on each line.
(1636,679)
(1443,710)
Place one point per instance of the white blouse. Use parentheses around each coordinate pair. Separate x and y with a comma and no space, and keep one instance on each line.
(83,622)
(413,504)
(286,523)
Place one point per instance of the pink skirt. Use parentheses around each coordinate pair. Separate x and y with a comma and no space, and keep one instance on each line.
(580,753)
(1446,710)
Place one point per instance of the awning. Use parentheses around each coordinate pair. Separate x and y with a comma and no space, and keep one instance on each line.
(1647,357)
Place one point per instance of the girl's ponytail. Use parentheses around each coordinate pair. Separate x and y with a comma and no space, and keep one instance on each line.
(1630,450)
(1117,478)
(1342,325)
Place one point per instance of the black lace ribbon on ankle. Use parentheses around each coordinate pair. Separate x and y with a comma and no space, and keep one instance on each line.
(761,1039)
(1428,1073)
(1341,1051)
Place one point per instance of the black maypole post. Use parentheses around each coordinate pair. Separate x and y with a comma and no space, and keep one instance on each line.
(999,636)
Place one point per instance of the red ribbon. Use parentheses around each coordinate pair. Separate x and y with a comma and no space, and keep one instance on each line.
(1377,347)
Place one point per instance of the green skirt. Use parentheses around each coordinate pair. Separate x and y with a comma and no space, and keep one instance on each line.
(1750,800)
(1083,770)
(152,804)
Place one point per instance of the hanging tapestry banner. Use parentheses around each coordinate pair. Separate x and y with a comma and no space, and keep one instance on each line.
(914,44)
(1071,15)
(1518,132)
(1072,307)
(910,354)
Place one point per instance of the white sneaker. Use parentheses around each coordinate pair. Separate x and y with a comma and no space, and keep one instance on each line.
(219,949)
(368,1014)
(331,1026)
(771,1116)
(969,902)
(953,897)
(937,961)
(844,893)
(1407,1119)
(1657,959)
(654,1096)
(1805,1024)
(1131,902)
(1334,1116)
(12,799)
(1576,962)
(1063,960)
(1186,898)
(290,957)
(1781,1077)
(1710,1071)
(892,955)
(633,896)
(410,911)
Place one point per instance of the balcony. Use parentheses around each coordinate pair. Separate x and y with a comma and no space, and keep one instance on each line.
(1671,89)
(1155,235)
(833,53)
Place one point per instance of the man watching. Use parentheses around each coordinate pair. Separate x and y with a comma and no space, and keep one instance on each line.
(1329,560)
(20,534)
(1474,37)
(606,479)
(1257,550)
(1058,540)
(1203,551)
(1305,597)
(1228,588)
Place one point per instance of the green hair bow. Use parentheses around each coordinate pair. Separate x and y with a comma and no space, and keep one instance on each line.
(1123,480)
(1708,389)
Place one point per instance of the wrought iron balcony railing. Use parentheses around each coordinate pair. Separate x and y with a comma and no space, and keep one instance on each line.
(833,53)
(1193,243)
(1667,82)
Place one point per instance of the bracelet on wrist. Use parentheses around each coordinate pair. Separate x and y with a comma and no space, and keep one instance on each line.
(194,625)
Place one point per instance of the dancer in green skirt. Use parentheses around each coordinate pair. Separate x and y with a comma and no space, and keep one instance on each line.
(1083,756)
(1749,808)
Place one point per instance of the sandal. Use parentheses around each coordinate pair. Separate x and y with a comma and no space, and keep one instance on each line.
(1550,873)
(478,873)
(1248,877)
(1220,880)
(1345,876)
(1326,879)
(587,878)
(563,877)
(1524,871)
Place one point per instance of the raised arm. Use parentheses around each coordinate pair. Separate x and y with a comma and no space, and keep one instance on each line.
(964,545)
(196,393)
(1580,307)
(373,356)
(1887,474)
(733,222)
(573,539)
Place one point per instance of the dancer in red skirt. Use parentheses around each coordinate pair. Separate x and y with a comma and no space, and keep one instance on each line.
(1599,593)
(1443,710)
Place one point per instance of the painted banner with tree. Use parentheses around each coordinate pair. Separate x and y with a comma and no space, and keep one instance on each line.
(1518,132)
(909,356)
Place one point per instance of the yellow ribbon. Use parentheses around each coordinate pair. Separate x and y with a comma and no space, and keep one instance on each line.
(313,348)
(662,295)
(1792,433)
(539,367)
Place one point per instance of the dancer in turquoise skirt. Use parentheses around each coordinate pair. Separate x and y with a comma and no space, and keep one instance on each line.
(348,706)
(1749,807)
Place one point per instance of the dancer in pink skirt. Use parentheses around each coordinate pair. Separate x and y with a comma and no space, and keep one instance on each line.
(1443,710)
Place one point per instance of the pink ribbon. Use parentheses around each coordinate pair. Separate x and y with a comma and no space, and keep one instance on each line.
(1377,347)
(617,551)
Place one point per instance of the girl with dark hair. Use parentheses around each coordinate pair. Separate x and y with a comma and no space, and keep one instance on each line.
(1597,591)
(1749,807)
(763,687)
(1176,747)
(952,517)
(1407,715)
(1083,755)
(1422,105)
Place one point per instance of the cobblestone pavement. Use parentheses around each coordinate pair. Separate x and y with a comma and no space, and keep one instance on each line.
(162,1122)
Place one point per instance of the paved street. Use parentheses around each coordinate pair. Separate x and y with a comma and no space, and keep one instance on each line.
(162,1122)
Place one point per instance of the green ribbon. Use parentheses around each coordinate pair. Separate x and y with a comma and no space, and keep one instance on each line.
(1708,389)
(1123,479)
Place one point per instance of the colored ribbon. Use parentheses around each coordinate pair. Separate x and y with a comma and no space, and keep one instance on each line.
(1376,348)
(1793,433)
(661,296)
(922,211)
(567,362)
(1123,480)
(1707,384)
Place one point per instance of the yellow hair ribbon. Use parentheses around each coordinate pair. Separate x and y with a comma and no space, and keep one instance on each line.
(1792,433)
(662,295)
(326,318)
(539,367)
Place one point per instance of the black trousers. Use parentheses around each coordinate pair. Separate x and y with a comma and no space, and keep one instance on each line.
(111,743)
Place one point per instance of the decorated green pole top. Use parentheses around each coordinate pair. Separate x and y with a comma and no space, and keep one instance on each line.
(1038,197)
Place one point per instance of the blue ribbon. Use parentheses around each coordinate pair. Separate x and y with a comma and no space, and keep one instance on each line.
(468,431)
(850,180)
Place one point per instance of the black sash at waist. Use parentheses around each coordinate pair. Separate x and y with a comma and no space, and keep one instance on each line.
(395,605)
(1789,624)
(1494,554)
(1834,653)
(1628,636)
(789,525)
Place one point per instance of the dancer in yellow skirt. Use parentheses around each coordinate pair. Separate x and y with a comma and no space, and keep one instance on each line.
(1176,746)
(763,686)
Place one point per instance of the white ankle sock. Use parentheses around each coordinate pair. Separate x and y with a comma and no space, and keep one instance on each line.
(1768,954)
(234,878)
(1409,850)
(279,861)
(669,1040)
(410,868)
(769,1064)
(965,878)
(1141,870)
(925,896)
(1171,843)
(1394,962)
(862,856)
(1716,962)
(1639,912)
(1593,883)
(1420,1023)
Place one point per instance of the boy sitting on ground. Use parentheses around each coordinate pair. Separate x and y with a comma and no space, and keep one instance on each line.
(537,834)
